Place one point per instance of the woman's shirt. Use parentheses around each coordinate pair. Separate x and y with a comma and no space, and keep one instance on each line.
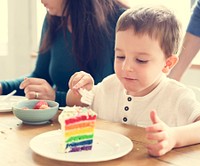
(58,64)
(194,24)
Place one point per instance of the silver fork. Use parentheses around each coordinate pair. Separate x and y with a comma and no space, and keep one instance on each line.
(87,96)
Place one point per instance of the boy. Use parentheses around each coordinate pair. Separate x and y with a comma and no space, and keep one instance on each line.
(146,43)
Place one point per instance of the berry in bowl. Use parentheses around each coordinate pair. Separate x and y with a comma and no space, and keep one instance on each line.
(35,112)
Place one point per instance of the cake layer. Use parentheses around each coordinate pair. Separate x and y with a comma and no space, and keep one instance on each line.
(79,137)
(81,148)
(80,118)
(81,143)
(80,125)
(79,131)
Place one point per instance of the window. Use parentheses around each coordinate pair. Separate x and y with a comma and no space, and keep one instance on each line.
(15,37)
(41,12)
(4,28)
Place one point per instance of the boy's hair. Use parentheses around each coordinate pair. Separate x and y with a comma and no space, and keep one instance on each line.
(157,22)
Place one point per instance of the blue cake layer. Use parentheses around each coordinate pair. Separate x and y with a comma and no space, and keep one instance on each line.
(86,142)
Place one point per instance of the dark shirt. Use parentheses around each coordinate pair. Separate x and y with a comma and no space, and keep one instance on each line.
(58,64)
(194,24)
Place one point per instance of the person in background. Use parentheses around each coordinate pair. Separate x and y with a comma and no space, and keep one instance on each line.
(76,35)
(140,93)
(190,46)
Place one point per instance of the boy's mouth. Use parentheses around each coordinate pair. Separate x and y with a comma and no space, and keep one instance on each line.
(129,78)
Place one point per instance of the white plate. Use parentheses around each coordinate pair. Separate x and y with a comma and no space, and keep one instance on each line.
(107,145)
(6,106)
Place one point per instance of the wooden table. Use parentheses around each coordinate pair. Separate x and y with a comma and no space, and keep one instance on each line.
(15,150)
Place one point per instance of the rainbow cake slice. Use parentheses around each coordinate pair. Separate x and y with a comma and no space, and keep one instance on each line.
(77,125)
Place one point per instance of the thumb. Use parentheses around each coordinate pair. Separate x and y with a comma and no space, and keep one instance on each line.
(154,117)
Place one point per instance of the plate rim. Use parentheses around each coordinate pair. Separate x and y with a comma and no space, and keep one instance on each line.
(128,140)
(9,107)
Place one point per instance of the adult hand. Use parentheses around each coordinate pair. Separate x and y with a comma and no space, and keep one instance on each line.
(36,88)
(162,136)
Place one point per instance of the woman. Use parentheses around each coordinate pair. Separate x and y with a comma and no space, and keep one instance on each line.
(76,35)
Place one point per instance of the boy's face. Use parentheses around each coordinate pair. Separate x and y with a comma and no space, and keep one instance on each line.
(139,62)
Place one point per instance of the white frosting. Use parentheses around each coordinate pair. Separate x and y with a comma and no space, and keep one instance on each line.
(70,112)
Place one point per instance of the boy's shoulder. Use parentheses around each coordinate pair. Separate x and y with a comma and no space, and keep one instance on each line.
(176,87)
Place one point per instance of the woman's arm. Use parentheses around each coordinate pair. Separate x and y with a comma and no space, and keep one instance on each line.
(190,48)
(191,45)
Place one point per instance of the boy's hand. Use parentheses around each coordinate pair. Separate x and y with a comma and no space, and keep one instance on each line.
(163,136)
(81,80)
(77,81)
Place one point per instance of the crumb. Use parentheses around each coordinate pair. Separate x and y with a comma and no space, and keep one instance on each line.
(137,149)
(52,124)
(2,132)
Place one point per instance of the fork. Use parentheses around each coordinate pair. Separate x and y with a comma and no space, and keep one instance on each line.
(87,96)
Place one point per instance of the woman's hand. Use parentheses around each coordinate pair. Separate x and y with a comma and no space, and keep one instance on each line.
(36,88)
(163,136)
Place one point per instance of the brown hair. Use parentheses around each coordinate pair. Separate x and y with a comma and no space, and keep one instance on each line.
(91,25)
(157,22)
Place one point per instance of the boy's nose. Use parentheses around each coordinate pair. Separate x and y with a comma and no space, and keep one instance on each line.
(128,65)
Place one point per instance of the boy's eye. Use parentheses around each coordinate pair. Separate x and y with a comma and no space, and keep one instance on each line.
(141,61)
(120,57)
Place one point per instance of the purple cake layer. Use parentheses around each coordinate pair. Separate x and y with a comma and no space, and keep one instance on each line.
(78,149)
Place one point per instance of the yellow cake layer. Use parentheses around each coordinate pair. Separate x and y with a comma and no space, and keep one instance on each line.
(79,131)
(80,125)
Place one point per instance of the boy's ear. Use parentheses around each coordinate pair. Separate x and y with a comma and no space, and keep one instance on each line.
(170,63)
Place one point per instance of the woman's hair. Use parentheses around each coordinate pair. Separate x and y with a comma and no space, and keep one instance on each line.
(91,25)
(157,22)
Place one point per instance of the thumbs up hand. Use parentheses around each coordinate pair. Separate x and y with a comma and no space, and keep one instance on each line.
(162,136)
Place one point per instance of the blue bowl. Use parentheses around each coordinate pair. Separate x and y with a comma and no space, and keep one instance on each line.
(35,116)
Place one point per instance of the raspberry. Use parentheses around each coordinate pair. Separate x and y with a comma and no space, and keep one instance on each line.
(41,105)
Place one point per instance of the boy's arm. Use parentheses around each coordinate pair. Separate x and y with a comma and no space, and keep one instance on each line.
(188,135)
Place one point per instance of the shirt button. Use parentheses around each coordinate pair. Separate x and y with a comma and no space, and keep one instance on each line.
(129,98)
(125,119)
(126,108)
